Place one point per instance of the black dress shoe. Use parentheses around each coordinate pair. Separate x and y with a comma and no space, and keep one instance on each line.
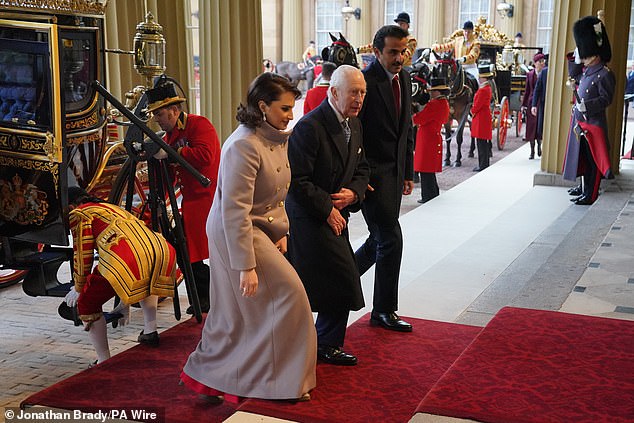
(477,169)
(204,308)
(575,190)
(574,199)
(390,321)
(336,356)
(583,201)
(149,339)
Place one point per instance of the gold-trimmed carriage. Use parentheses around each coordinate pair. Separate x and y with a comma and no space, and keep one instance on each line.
(56,131)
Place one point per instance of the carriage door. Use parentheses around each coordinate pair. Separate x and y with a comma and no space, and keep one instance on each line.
(32,172)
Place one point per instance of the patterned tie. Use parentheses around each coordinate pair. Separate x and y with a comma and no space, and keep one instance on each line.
(346,130)
(396,90)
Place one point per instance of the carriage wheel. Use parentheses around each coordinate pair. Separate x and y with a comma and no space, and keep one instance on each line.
(503,125)
(518,123)
(10,277)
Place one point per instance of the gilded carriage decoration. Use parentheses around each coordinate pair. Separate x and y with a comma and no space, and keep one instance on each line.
(22,202)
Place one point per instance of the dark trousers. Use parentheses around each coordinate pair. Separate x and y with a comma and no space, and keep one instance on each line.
(484,153)
(201,280)
(384,247)
(591,176)
(331,328)
(428,186)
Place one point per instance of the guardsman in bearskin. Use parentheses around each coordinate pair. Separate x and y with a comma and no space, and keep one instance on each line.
(428,151)
(194,138)
(465,47)
(481,123)
(135,263)
(587,149)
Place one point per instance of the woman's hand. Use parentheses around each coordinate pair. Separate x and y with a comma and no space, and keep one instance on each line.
(248,282)
(282,245)
(336,221)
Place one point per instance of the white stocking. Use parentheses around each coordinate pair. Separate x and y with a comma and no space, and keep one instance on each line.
(149,305)
(99,339)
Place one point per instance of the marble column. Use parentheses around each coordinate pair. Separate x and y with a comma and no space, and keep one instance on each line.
(360,31)
(292,46)
(559,97)
(430,25)
(230,58)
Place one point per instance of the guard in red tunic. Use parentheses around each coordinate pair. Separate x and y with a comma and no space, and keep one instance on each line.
(428,151)
(135,263)
(481,128)
(194,138)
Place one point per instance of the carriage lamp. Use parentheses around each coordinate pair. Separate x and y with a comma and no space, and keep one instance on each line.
(149,49)
(505,10)
(347,11)
(507,56)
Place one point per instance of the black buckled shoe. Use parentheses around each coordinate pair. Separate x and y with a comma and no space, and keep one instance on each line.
(336,356)
(390,321)
(575,190)
(149,339)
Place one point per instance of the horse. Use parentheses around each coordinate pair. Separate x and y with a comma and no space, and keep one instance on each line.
(340,52)
(295,72)
(462,86)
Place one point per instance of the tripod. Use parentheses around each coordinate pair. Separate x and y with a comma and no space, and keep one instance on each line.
(160,185)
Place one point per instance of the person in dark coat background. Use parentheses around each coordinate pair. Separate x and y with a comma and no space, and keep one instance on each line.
(587,149)
(329,177)
(481,122)
(538,105)
(531,136)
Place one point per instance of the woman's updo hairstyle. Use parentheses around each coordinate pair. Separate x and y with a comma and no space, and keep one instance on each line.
(267,87)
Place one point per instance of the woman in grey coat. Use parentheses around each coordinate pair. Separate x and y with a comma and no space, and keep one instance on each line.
(259,339)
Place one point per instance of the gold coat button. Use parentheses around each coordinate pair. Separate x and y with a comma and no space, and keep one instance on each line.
(288,165)
(268,207)
(270,219)
(277,189)
(281,204)
(272,148)
(279,169)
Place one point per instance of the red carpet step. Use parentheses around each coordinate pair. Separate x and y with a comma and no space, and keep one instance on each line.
(395,370)
(541,366)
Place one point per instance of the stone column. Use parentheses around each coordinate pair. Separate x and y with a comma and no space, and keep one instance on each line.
(292,46)
(559,98)
(430,24)
(226,29)
(360,31)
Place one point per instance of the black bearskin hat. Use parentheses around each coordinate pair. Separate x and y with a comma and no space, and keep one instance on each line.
(592,38)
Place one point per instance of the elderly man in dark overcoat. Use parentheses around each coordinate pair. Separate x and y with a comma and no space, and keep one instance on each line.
(388,140)
(329,177)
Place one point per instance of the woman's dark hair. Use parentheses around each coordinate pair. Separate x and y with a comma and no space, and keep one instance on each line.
(267,87)
(77,196)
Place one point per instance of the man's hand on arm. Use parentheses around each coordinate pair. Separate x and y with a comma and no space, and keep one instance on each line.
(343,198)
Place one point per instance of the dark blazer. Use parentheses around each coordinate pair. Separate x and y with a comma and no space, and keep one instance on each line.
(539,101)
(389,145)
(321,164)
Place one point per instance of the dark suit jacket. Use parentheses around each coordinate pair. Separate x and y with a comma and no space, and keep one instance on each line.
(389,144)
(321,164)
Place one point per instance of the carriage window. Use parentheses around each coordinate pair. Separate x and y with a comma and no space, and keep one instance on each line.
(24,77)
(78,69)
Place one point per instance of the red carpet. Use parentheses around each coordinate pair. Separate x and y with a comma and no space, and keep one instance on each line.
(395,370)
(541,366)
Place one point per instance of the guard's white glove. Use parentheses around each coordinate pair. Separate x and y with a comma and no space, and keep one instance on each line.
(461,60)
(125,311)
(576,54)
(72,297)
(161,154)
(581,106)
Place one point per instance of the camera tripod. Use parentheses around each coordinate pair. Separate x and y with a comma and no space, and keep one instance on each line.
(160,187)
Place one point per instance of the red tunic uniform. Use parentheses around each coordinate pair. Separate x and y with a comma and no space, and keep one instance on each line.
(134,262)
(428,151)
(481,111)
(314,97)
(195,139)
